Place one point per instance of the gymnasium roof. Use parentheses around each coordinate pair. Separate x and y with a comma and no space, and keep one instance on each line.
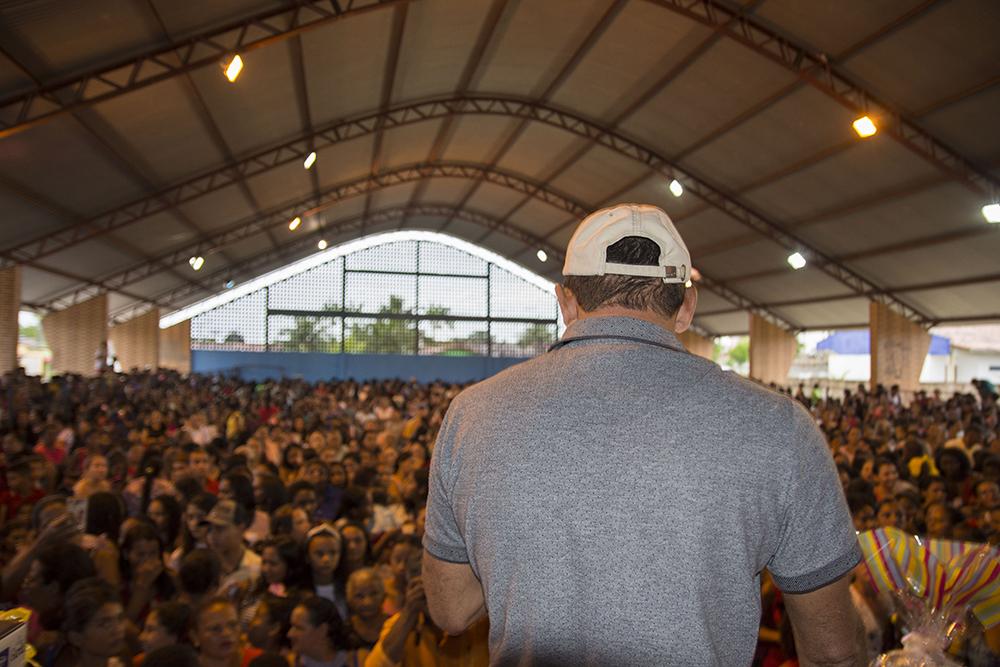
(125,151)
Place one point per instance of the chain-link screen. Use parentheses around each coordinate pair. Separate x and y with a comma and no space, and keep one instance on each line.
(401,297)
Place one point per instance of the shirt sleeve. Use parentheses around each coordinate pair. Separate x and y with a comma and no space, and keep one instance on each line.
(817,543)
(442,536)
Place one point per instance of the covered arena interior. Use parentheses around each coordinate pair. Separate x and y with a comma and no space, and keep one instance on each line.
(142,173)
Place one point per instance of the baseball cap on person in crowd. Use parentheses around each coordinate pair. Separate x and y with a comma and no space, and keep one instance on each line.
(587,251)
(227,513)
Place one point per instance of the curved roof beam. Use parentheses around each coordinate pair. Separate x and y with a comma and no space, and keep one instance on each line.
(309,205)
(251,267)
(51,100)
(296,149)
(817,70)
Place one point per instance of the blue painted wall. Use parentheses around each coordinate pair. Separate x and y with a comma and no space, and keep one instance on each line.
(314,366)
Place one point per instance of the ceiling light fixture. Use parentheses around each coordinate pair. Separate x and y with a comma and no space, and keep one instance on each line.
(197,262)
(796,260)
(864,126)
(230,284)
(234,68)
(322,244)
(294,224)
(992,213)
(310,160)
(676,189)
(542,256)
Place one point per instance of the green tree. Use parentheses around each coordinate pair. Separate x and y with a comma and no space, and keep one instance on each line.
(537,335)
(739,353)
(305,335)
(385,335)
(234,337)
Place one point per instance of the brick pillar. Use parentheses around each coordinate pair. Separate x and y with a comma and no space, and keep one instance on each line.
(10,305)
(772,351)
(137,341)
(697,344)
(175,347)
(75,334)
(898,348)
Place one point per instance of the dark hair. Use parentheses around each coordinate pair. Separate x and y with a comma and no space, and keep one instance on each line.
(36,511)
(104,516)
(65,563)
(144,531)
(301,485)
(242,489)
(205,502)
(150,467)
(354,504)
(279,611)
(199,573)
(83,600)
(322,611)
(173,510)
(175,655)
(188,487)
(635,292)
(175,617)
(274,492)
(290,552)
(284,456)
(281,520)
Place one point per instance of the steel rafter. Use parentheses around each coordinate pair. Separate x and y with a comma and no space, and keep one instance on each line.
(306,244)
(528,111)
(817,70)
(210,47)
(280,215)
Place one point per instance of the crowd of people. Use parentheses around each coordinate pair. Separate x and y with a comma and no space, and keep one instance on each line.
(158,519)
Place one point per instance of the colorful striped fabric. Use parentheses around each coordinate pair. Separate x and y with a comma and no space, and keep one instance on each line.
(949,576)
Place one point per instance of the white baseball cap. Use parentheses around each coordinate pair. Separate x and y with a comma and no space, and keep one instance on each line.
(588,249)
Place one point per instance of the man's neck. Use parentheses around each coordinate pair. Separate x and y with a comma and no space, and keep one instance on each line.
(619,311)
(233,559)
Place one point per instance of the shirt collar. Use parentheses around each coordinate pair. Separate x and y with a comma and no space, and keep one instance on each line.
(629,327)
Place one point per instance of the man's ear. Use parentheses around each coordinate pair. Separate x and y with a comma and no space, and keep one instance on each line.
(686,313)
(568,304)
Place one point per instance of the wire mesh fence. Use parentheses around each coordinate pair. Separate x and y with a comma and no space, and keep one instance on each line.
(401,297)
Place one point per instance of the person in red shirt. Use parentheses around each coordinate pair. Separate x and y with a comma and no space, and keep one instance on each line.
(51,447)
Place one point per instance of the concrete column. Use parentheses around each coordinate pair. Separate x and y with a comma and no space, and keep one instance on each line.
(175,347)
(10,306)
(75,335)
(772,351)
(898,348)
(697,344)
(137,342)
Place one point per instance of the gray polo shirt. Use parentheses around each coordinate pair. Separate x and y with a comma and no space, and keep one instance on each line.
(618,499)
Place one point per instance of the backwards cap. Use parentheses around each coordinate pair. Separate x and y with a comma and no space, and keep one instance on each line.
(588,249)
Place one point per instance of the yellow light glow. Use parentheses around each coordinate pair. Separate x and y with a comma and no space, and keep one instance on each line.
(310,160)
(322,244)
(294,224)
(865,127)
(234,68)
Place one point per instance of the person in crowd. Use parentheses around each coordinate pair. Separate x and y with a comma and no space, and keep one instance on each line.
(94,479)
(227,522)
(365,597)
(21,490)
(323,548)
(55,566)
(166,515)
(145,579)
(317,635)
(215,633)
(93,627)
(238,487)
(166,625)
(194,534)
(357,550)
(268,630)
(198,577)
